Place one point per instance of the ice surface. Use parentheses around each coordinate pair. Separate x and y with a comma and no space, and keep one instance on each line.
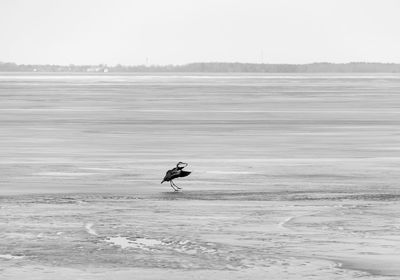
(294,177)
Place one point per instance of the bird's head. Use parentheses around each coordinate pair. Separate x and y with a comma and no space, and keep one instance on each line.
(181,164)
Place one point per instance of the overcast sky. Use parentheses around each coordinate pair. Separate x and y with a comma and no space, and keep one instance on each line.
(182,31)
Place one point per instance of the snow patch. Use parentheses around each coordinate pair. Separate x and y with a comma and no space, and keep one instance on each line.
(89,229)
(10,257)
(138,243)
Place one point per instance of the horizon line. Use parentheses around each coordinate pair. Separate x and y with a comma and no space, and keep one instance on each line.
(196,62)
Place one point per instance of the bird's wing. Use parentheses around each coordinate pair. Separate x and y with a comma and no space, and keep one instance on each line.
(172,173)
(184,173)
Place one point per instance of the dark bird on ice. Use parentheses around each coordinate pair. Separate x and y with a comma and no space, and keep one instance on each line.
(176,173)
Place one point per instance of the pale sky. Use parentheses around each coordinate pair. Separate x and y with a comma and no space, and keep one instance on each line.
(183,31)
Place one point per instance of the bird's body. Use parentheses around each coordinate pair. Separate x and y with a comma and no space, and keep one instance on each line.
(176,173)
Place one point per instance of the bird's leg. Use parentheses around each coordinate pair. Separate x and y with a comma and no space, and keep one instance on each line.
(170,183)
(173,184)
(176,185)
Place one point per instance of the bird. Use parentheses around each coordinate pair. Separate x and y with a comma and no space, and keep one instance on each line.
(176,173)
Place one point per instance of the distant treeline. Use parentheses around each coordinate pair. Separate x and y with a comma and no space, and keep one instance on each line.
(214,67)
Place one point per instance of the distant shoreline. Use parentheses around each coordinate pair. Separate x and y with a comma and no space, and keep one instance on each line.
(210,67)
(202,74)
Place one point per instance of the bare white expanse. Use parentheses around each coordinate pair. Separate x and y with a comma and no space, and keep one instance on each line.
(182,31)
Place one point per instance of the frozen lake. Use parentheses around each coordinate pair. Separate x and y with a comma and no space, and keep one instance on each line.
(294,176)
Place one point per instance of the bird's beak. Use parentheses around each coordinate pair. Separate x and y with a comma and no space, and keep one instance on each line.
(162,181)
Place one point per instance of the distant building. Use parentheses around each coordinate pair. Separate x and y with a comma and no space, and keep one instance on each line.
(97,69)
